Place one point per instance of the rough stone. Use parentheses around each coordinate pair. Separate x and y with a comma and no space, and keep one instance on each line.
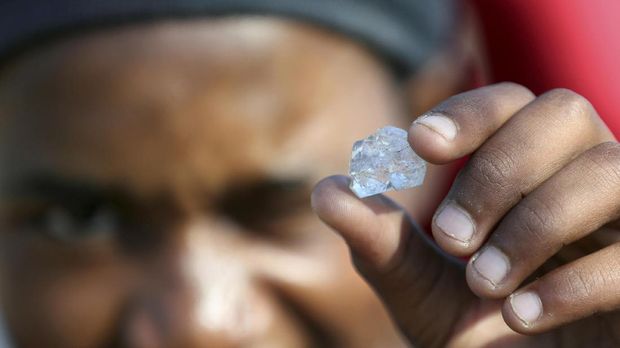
(384,161)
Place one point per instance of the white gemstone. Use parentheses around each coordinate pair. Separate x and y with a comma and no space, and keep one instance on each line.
(384,161)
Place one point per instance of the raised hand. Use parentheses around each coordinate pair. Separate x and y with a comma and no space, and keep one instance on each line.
(535,205)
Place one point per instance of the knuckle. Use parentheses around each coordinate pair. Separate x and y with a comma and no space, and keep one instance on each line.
(578,284)
(534,220)
(572,104)
(586,283)
(496,98)
(487,100)
(608,151)
(492,168)
(516,88)
(605,159)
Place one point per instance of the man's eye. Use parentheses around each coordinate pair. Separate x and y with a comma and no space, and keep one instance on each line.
(63,225)
(258,206)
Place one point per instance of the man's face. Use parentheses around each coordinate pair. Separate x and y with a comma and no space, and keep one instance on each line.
(155,187)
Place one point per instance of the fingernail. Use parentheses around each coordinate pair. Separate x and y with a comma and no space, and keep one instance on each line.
(455,222)
(492,264)
(438,123)
(527,306)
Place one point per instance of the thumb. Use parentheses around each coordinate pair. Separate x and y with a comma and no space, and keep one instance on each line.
(424,290)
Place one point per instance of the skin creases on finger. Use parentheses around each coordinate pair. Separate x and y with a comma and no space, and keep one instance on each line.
(574,291)
(529,148)
(411,276)
(573,203)
(372,228)
(460,124)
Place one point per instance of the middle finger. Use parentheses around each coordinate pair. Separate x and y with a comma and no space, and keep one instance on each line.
(534,144)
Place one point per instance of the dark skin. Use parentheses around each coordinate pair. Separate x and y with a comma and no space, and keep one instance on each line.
(156,184)
(154,194)
(536,205)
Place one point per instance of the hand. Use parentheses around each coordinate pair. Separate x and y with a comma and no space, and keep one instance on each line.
(535,204)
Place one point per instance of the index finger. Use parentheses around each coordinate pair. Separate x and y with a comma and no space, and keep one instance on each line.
(465,121)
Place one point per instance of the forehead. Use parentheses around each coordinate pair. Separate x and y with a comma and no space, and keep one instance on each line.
(191,103)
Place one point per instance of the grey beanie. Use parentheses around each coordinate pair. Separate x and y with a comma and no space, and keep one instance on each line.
(405,32)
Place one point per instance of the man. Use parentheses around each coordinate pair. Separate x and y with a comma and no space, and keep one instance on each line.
(155,182)
(157,173)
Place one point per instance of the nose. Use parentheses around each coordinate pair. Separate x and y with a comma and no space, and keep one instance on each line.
(197,294)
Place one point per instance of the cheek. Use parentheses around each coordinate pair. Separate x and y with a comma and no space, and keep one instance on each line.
(52,298)
(315,262)
(317,277)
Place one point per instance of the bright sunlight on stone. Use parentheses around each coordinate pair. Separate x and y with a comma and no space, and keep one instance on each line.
(384,161)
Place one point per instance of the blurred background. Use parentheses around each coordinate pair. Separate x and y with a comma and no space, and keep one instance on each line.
(157,157)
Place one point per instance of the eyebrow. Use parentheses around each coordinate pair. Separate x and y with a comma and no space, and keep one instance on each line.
(266,185)
(243,195)
(56,187)
(71,191)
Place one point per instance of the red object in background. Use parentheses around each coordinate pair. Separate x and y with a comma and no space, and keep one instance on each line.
(544,44)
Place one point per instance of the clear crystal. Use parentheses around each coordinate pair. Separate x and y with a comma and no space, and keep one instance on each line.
(384,161)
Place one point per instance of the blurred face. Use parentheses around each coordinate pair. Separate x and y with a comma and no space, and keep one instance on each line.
(154,187)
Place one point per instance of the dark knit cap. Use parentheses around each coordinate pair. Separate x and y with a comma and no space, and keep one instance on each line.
(404,32)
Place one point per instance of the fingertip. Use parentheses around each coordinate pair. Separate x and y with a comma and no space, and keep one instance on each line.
(449,245)
(332,197)
(511,319)
(454,230)
(432,136)
(324,190)
(521,311)
(370,226)
(440,124)
(328,198)
(487,286)
(460,124)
